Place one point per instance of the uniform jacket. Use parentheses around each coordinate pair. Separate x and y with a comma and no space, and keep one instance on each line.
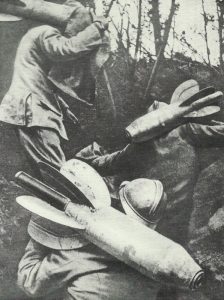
(46,59)
(30,100)
(85,273)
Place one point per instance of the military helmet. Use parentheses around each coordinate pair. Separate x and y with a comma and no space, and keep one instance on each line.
(144,200)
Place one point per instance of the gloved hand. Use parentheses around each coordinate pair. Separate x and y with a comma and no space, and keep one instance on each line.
(101,22)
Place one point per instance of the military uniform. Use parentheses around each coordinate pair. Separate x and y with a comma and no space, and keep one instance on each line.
(30,101)
(48,65)
(85,273)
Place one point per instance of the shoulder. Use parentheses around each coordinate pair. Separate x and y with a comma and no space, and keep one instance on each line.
(43,30)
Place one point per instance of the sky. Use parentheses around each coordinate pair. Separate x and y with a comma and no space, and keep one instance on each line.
(188,19)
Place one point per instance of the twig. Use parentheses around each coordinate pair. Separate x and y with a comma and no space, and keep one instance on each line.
(161,50)
(109,8)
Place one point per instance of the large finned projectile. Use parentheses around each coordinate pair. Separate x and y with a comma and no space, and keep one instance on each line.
(195,108)
(39,10)
(140,247)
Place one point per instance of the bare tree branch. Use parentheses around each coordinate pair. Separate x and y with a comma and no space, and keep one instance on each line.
(173,29)
(138,41)
(139,30)
(220,13)
(107,81)
(128,36)
(157,28)
(205,30)
(161,50)
(185,43)
(107,13)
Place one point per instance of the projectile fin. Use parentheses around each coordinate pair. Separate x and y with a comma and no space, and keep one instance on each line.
(47,211)
(184,91)
(61,184)
(204,112)
(201,94)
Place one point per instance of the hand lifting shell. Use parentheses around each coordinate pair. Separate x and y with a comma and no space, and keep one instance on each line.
(188,104)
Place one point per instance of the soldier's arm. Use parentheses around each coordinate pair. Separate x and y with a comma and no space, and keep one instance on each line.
(106,164)
(206,135)
(60,48)
(42,271)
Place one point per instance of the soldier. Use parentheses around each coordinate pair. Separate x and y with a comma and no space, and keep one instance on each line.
(53,65)
(88,272)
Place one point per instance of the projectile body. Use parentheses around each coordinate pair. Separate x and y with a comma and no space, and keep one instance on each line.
(39,10)
(186,109)
(126,239)
(147,251)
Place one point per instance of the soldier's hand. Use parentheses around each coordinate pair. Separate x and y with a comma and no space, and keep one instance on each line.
(100,21)
(104,21)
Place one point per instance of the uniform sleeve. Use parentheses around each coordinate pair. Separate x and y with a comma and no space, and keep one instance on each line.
(206,135)
(42,270)
(110,164)
(60,48)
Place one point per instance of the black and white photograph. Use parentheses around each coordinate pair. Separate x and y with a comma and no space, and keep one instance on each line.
(111,149)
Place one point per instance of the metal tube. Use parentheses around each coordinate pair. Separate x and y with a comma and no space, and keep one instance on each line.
(41,190)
